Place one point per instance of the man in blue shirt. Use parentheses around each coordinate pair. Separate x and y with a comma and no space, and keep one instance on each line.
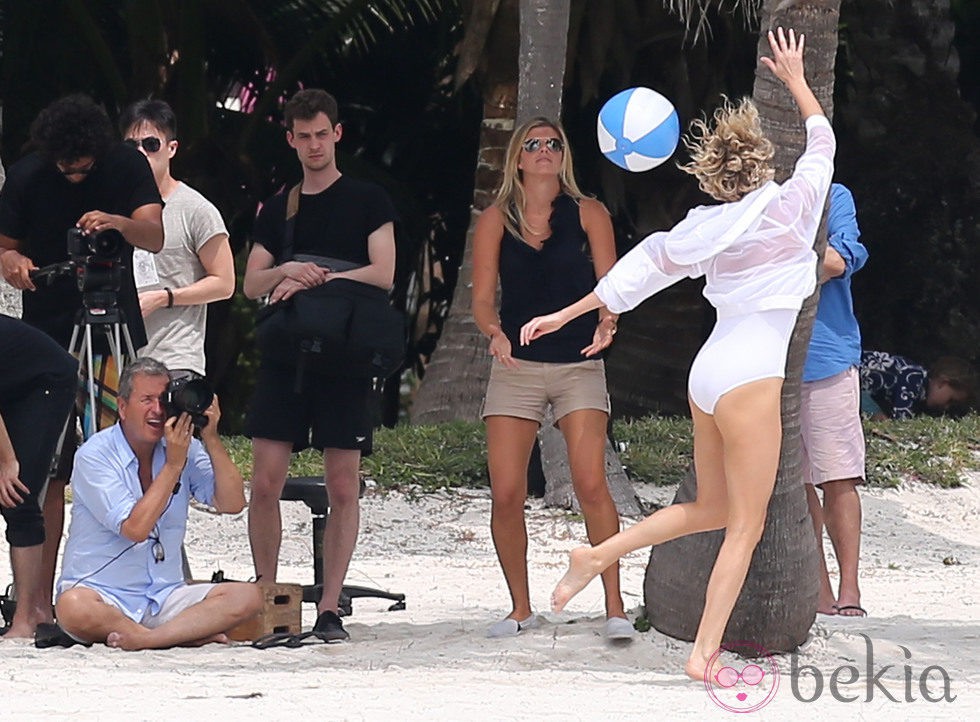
(830,419)
(122,580)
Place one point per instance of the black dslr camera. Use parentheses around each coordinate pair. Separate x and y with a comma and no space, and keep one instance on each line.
(193,396)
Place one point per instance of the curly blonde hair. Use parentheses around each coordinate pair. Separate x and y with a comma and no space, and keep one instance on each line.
(732,158)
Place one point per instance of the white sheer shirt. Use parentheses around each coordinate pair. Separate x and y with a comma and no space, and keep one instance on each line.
(755,253)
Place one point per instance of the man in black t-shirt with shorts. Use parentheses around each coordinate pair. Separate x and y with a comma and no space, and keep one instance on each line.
(349,226)
(79,176)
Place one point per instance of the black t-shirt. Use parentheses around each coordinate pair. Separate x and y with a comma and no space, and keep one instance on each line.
(334,223)
(37,208)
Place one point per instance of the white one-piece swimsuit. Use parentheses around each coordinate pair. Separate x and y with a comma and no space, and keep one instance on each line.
(757,259)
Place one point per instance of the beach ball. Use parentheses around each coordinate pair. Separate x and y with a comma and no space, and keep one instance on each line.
(638,129)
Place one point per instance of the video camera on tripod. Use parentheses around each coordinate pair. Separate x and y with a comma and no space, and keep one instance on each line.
(95,259)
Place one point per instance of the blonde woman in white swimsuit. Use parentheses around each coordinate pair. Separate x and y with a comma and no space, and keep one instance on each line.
(755,253)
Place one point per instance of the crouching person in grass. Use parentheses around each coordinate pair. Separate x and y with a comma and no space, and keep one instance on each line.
(122,581)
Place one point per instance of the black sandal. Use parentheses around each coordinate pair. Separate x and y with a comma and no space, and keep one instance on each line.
(291,641)
(51,635)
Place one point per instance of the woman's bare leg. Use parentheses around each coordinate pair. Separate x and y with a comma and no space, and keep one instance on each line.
(708,511)
(749,421)
(585,437)
(509,444)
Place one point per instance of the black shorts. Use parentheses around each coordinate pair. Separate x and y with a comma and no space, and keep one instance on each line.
(329,413)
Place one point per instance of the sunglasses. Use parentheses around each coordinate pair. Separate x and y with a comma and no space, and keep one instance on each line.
(751,675)
(532,145)
(149,143)
(159,554)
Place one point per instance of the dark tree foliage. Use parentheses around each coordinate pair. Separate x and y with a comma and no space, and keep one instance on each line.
(910,151)
(389,64)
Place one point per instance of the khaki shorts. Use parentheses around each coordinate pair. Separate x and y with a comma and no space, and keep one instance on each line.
(830,426)
(525,392)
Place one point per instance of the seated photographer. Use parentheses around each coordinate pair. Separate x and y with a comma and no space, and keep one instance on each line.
(37,387)
(121,580)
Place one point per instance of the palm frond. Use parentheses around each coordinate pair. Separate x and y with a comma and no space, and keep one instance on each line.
(696,12)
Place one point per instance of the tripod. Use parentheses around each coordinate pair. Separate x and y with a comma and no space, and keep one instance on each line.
(100,311)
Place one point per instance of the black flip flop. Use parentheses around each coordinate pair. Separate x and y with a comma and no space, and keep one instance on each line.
(853,608)
(51,635)
(291,641)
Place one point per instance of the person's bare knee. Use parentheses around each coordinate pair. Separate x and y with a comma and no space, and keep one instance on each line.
(69,609)
(836,490)
(240,600)
(78,610)
(592,493)
(745,530)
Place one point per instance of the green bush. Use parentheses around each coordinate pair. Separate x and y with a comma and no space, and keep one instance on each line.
(653,449)
(430,457)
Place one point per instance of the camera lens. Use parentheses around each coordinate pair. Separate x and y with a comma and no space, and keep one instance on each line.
(106,244)
(193,396)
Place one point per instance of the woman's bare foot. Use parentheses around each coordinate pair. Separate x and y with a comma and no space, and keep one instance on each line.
(583,567)
(697,665)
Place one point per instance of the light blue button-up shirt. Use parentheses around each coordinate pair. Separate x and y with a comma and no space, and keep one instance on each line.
(105,488)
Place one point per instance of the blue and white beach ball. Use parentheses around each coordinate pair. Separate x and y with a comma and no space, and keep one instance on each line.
(638,129)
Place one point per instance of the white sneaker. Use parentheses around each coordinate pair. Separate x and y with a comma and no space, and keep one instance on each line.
(511,627)
(618,628)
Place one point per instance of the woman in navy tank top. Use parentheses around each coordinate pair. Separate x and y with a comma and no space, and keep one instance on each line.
(546,244)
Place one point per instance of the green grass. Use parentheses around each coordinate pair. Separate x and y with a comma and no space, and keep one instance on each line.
(654,450)
(935,451)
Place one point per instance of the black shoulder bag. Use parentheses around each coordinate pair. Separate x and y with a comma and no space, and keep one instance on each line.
(340,328)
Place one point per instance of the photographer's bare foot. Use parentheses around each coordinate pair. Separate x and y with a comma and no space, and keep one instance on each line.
(583,567)
(129,642)
(213,639)
(135,641)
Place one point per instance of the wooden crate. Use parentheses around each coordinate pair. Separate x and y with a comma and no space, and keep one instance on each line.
(280,613)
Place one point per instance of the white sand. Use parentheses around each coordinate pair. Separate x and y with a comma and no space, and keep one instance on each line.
(433,661)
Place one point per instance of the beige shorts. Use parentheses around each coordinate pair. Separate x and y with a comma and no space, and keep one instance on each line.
(525,392)
(830,426)
(180,599)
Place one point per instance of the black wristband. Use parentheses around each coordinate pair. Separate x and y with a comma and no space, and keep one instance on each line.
(170,298)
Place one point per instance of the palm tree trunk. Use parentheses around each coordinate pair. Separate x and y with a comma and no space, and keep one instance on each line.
(544,45)
(779,599)
(457,375)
